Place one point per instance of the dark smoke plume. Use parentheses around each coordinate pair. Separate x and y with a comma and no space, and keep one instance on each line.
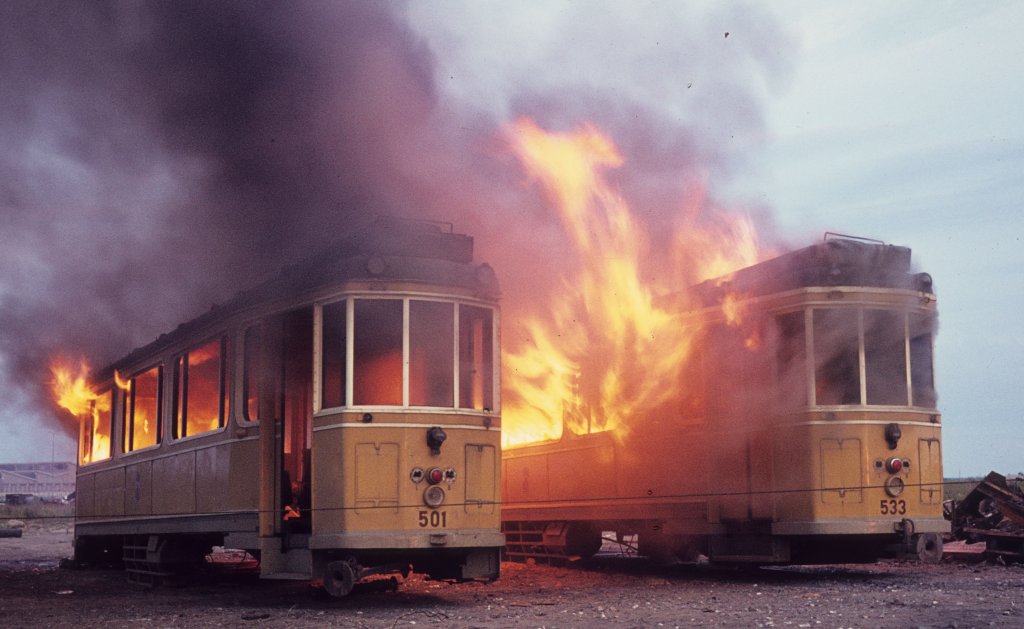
(160,156)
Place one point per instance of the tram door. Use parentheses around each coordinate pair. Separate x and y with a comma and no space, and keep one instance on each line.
(297,423)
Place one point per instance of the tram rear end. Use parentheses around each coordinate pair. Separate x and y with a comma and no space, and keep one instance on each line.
(410,475)
(407,493)
(390,432)
(846,465)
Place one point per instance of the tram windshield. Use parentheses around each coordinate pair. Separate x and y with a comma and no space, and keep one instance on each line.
(872,356)
(406,352)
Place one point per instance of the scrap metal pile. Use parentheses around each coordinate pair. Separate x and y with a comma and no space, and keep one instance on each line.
(993,513)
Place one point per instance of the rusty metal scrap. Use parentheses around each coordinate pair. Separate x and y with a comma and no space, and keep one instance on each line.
(993,513)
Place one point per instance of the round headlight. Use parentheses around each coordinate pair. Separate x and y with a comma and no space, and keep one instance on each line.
(433,496)
(894,486)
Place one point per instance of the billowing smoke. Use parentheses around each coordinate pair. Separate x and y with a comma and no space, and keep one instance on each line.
(159,156)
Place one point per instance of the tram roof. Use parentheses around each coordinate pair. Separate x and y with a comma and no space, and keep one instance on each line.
(832,262)
(386,249)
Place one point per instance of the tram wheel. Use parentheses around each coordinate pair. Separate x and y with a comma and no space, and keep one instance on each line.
(339,579)
(929,547)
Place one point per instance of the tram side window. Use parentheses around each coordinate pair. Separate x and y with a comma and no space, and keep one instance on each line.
(791,360)
(250,373)
(200,400)
(922,378)
(377,368)
(333,375)
(885,357)
(95,444)
(431,353)
(836,357)
(142,416)
(476,358)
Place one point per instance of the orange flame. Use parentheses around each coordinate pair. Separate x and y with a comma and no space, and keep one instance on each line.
(605,349)
(732,308)
(121,383)
(72,392)
(71,389)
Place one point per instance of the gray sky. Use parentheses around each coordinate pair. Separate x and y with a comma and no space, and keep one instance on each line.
(898,122)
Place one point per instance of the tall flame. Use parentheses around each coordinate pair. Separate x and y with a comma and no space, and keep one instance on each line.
(71,388)
(72,392)
(604,349)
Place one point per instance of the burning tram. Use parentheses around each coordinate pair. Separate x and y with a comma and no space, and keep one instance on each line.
(805,429)
(338,422)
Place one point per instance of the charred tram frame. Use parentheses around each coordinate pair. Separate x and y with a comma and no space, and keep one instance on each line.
(375,365)
(808,432)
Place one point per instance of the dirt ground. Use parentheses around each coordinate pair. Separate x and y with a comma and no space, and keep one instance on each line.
(612,591)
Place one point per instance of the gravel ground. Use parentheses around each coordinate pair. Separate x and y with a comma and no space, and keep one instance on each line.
(35,592)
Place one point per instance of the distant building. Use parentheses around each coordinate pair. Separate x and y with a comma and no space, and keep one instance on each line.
(45,480)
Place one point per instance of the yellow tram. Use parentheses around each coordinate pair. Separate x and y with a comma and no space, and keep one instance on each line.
(805,429)
(338,422)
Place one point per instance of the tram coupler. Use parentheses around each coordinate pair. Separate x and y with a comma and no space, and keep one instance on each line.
(905,528)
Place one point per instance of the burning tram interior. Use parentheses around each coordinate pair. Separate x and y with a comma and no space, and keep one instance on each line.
(203,376)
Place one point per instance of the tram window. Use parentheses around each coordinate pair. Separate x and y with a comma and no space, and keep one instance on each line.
(791,360)
(250,373)
(836,357)
(377,368)
(476,358)
(96,430)
(142,417)
(431,354)
(922,378)
(333,375)
(200,402)
(885,357)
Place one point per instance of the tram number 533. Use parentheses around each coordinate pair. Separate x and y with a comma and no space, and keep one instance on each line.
(433,519)
(888,507)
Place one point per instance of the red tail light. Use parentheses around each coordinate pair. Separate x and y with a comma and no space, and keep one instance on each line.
(894,465)
(435,475)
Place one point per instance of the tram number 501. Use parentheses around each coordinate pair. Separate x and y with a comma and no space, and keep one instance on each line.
(433,519)
(892,507)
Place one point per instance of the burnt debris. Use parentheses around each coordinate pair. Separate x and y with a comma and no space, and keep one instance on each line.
(993,514)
